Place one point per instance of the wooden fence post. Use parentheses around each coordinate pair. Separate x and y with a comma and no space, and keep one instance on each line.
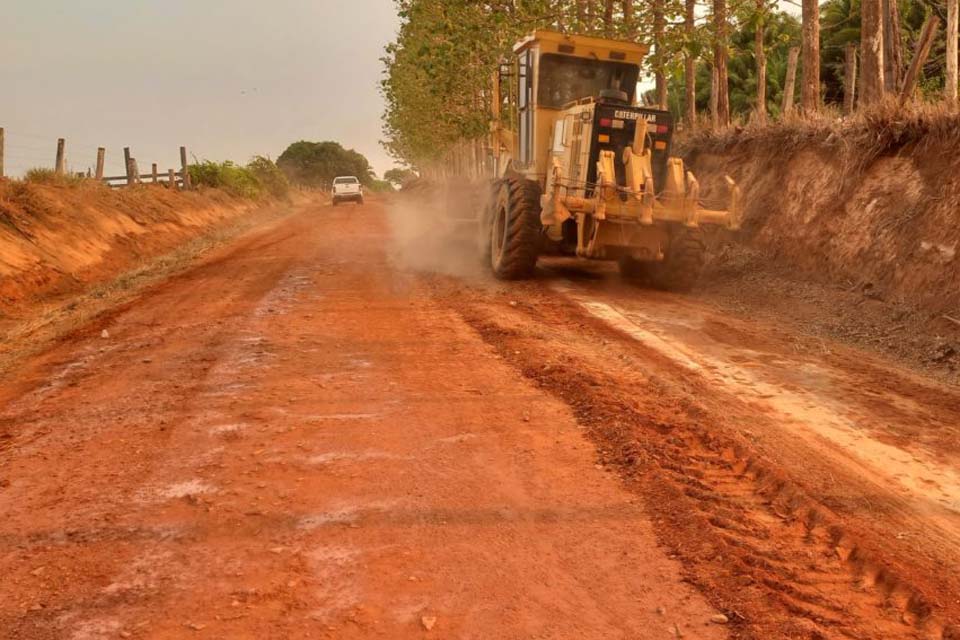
(101,153)
(154,173)
(919,57)
(61,161)
(791,79)
(127,166)
(849,78)
(1,152)
(183,167)
(134,171)
(171,178)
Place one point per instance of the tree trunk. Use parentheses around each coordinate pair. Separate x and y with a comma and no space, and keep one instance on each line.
(927,35)
(714,102)
(608,18)
(761,59)
(790,82)
(849,78)
(950,90)
(871,52)
(628,25)
(659,60)
(690,67)
(810,85)
(892,54)
(581,15)
(720,62)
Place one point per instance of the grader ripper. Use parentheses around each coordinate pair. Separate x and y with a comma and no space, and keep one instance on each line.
(581,170)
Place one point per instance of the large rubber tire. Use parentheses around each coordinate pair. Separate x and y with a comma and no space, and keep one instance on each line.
(515,229)
(634,270)
(682,264)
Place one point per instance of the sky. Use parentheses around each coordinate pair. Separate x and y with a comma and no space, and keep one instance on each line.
(228,79)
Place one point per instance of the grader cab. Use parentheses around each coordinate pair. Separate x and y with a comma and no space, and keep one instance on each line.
(582,170)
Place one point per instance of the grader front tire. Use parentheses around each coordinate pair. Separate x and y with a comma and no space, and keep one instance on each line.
(515,229)
(682,264)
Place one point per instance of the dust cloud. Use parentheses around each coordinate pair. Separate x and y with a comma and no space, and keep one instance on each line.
(434,229)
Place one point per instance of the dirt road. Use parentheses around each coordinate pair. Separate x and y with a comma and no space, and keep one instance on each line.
(300,438)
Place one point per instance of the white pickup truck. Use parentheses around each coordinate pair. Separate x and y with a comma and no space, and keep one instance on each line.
(347,189)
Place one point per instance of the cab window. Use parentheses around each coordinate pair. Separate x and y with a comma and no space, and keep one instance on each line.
(564,79)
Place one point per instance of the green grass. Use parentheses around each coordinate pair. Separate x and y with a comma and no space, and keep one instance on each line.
(259,178)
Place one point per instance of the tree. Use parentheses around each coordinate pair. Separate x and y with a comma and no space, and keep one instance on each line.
(761,59)
(690,63)
(659,53)
(316,164)
(871,51)
(720,61)
(840,27)
(892,55)
(399,177)
(950,78)
(810,55)
(436,84)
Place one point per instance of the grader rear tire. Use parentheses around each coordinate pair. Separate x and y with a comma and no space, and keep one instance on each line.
(515,229)
(637,271)
(682,264)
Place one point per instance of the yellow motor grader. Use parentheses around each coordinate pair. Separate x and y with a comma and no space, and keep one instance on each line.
(581,170)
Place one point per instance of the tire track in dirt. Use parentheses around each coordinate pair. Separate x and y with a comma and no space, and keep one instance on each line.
(779,562)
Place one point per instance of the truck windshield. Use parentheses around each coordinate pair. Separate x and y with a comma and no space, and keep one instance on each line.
(346,181)
(565,79)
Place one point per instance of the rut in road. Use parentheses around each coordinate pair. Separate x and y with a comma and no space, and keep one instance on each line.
(777,560)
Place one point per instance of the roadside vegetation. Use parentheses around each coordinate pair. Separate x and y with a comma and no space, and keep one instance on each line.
(259,178)
(713,64)
(311,165)
(316,164)
(42,175)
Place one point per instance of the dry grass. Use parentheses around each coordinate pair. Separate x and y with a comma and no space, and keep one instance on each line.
(870,133)
(41,175)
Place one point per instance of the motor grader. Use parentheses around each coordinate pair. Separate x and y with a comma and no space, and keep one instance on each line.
(580,169)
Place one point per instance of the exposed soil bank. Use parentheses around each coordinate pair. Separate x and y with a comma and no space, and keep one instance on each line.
(871,204)
(62,239)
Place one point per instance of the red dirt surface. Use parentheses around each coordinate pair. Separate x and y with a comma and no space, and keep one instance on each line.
(301,438)
(296,439)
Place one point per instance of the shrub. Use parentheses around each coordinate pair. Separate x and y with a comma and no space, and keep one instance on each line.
(42,175)
(269,175)
(235,180)
(380,186)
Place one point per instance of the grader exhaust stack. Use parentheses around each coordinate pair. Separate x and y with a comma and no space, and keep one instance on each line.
(581,170)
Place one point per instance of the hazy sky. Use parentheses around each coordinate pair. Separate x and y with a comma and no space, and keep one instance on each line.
(227,78)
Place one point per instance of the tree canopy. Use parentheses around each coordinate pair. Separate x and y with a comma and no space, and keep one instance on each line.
(399,177)
(439,71)
(316,164)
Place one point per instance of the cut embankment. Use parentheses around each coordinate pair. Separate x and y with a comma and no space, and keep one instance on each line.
(872,203)
(59,240)
(69,253)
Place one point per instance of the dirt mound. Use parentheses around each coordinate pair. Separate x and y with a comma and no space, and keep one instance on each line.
(61,239)
(871,203)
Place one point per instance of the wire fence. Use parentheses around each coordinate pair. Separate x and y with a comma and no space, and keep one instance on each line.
(23,152)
